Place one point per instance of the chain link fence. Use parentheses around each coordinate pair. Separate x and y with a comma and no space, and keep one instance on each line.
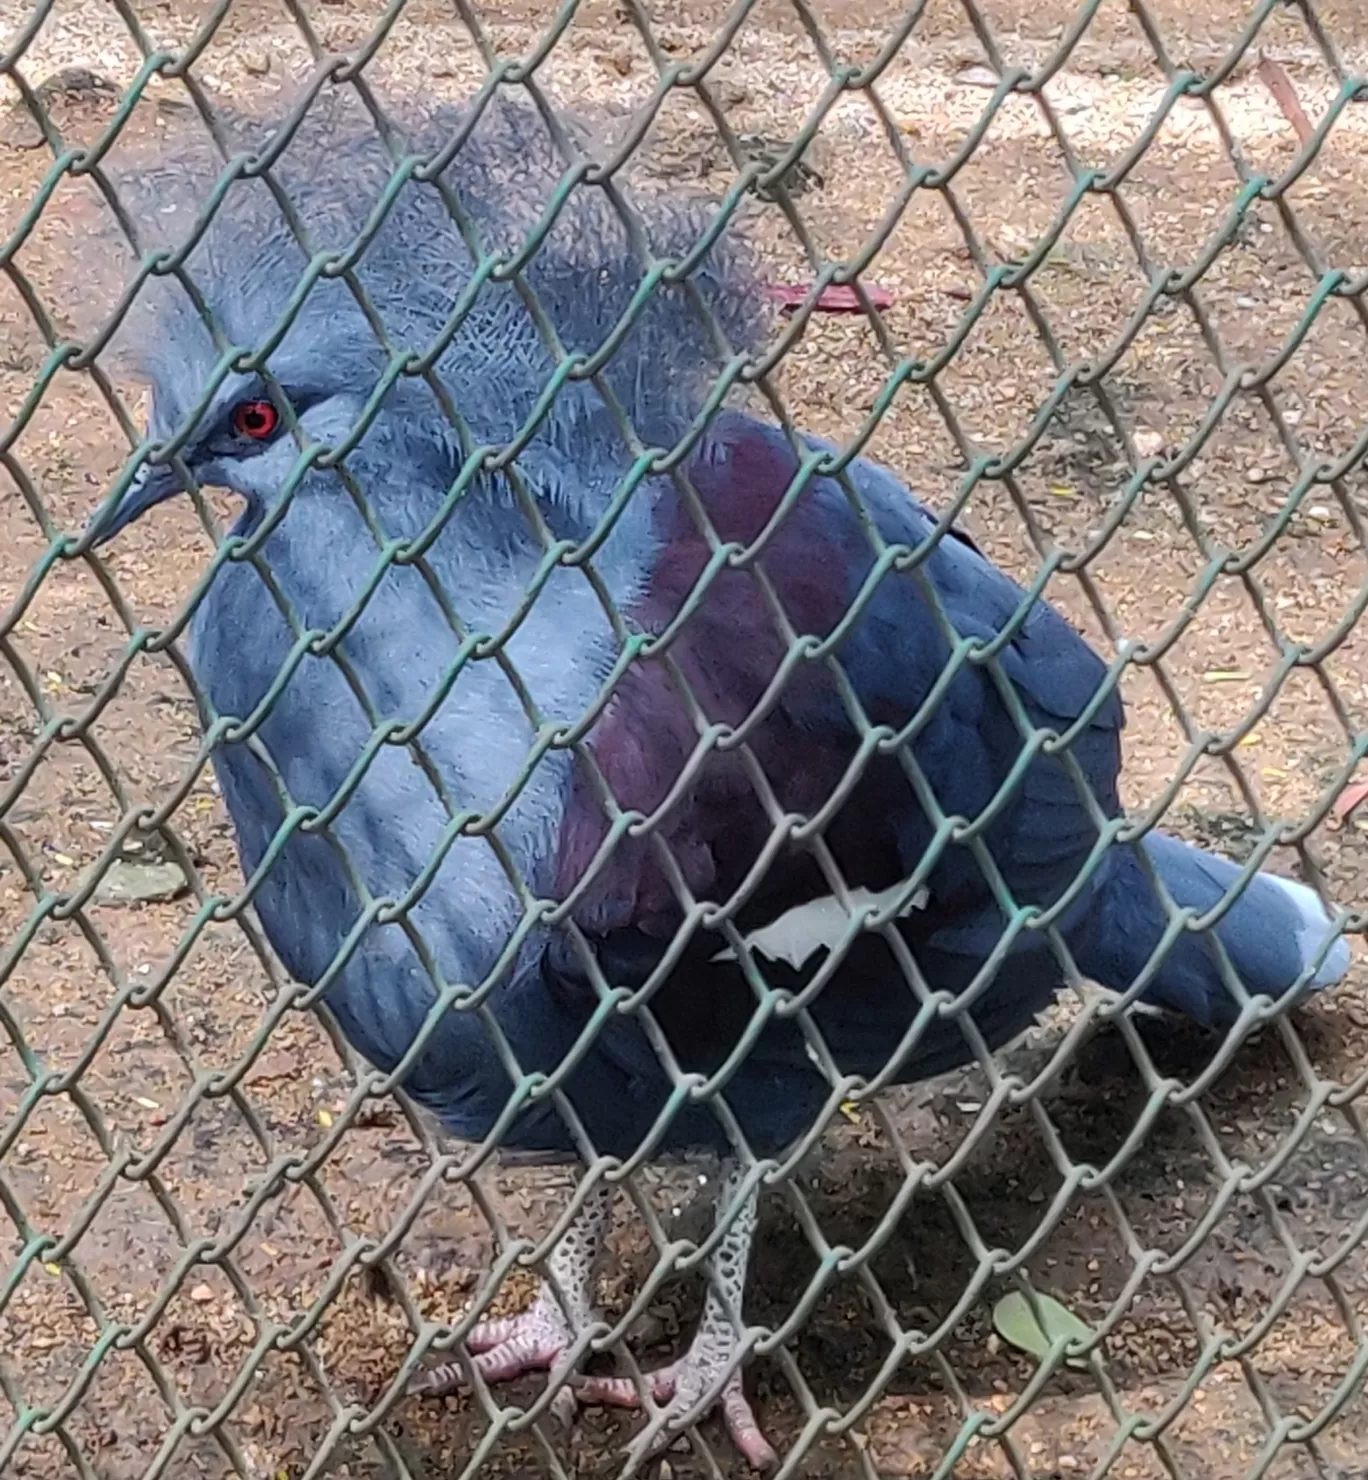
(1090,278)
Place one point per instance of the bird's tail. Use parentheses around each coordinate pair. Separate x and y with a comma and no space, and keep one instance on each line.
(1277,934)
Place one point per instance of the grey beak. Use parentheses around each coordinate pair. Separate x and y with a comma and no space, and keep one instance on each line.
(152,484)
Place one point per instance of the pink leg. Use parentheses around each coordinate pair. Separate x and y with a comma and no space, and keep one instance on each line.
(709,1373)
(505,1348)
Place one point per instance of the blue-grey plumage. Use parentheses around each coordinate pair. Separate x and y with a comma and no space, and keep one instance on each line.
(407,631)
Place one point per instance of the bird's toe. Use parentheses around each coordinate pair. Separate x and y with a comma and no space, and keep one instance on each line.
(744,1428)
(501,1350)
(694,1381)
(436,1382)
(510,1359)
(534,1339)
(689,1387)
(622,1392)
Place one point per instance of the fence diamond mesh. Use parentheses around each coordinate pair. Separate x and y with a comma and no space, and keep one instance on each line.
(397,846)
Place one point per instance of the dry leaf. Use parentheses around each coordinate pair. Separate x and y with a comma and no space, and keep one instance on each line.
(837,298)
(1276,80)
(979,75)
(1348,801)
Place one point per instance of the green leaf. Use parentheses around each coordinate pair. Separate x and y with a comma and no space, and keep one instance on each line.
(1016,1323)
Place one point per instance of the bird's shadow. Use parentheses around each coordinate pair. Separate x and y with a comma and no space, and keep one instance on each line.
(1006,1187)
(925,1265)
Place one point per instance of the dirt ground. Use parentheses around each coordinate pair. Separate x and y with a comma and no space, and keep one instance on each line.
(1235,1313)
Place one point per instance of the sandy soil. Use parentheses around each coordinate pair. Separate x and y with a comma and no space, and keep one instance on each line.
(163,1174)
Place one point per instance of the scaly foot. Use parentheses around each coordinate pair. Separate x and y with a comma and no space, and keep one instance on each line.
(709,1373)
(504,1349)
(689,1387)
(533,1341)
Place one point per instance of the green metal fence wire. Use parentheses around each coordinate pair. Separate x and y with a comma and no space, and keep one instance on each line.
(370,1425)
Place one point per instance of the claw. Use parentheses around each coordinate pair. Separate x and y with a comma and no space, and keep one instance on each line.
(682,1388)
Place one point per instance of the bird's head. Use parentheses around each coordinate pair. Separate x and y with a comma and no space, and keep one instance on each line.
(248,429)
(297,355)
(231,430)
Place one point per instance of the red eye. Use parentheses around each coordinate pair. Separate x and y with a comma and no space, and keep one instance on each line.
(255,419)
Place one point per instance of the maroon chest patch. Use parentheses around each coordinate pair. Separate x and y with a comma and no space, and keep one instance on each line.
(709,813)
